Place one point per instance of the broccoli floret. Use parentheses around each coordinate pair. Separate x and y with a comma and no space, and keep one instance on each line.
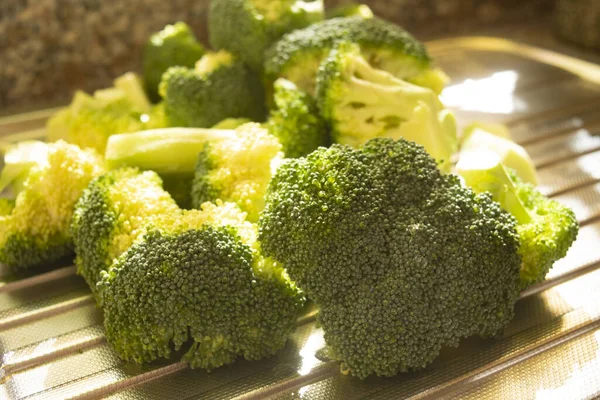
(47,180)
(237,170)
(362,103)
(247,27)
(199,276)
(297,55)
(219,87)
(546,228)
(350,10)
(400,258)
(112,213)
(174,45)
(90,120)
(296,121)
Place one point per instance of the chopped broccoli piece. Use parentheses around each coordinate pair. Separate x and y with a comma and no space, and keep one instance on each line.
(400,258)
(296,121)
(511,154)
(220,87)
(546,228)
(47,180)
(297,55)
(89,121)
(175,45)
(223,296)
(238,169)
(350,10)
(247,27)
(361,103)
(499,130)
(113,212)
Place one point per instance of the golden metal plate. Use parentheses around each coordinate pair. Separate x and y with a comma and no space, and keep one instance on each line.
(51,335)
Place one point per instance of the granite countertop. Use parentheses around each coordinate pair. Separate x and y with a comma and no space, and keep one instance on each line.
(49,48)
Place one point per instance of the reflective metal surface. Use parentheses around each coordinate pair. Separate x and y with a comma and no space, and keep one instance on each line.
(52,340)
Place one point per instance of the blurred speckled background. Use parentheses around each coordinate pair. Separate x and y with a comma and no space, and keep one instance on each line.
(50,47)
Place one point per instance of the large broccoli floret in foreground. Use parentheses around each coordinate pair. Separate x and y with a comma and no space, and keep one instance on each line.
(172,46)
(296,121)
(198,279)
(362,103)
(297,55)
(219,87)
(113,212)
(401,259)
(238,169)
(46,180)
(247,27)
(546,228)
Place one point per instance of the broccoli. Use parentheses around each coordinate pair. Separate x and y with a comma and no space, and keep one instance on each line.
(112,213)
(350,10)
(46,180)
(490,138)
(247,27)
(361,103)
(198,275)
(237,170)
(89,121)
(297,55)
(400,258)
(219,87)
(174,45)
(545,227)
(296,121)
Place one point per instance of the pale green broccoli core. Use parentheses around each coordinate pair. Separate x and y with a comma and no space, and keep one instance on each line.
(376,104)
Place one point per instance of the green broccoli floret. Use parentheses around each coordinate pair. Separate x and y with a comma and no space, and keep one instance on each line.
(247,27)
(350,10)
(297,55)
(296,121)
(219,87)
(362,103)
(546,228)
(174,45)
(89,121)
(237,170)
(112,214)
(46,180)
(400,258)
(198,277)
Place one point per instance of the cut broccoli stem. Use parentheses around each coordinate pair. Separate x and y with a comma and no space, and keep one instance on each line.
(483,172)
(166,151)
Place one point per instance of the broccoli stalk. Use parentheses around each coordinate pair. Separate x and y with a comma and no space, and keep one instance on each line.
(546,228)
(362,103)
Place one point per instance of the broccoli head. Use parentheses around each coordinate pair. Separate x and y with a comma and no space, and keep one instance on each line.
(90,120)
(297,55)
(247,27)
(296,121)
(546,228)
(112,213)
(362,103)
(400,258)
(238,169)
(198,276)
(47,180)
(172,46)
(219,87)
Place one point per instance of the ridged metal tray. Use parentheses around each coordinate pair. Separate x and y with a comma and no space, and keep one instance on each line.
(52,340)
